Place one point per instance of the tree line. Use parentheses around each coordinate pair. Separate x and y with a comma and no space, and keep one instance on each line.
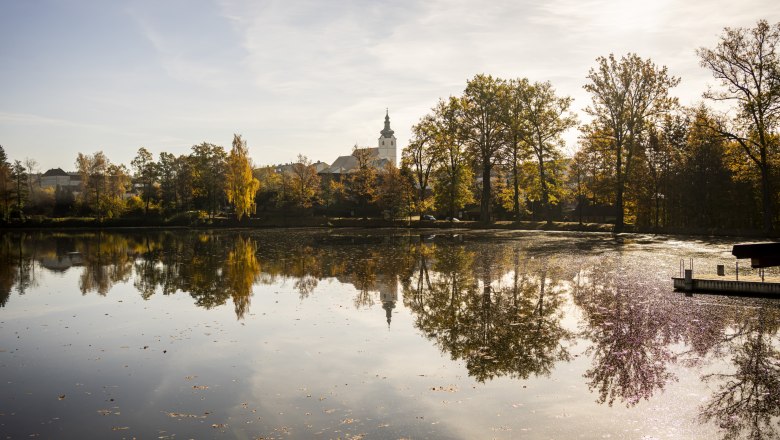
(642,159)
(497,152)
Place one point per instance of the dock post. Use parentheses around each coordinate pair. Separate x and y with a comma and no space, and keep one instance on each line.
(688,280)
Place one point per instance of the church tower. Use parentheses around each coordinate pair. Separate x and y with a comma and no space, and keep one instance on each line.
(386,142)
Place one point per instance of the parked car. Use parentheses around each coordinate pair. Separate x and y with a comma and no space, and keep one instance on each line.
(453,219)
(429,217)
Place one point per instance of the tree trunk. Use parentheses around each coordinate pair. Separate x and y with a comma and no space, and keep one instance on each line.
(453,186)
(619,190)
(516,184)
(766,196)
(485,210)
(545,196)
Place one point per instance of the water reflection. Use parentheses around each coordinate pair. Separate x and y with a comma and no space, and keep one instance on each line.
(631,329)
(746,402)
(500,307)
(498,327)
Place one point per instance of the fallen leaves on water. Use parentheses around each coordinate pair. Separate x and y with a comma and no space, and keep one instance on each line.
(176,415)
(448,388)
(61,397)
(219,425)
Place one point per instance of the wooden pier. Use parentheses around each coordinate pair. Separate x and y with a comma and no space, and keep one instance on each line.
(741,287)
(762,255)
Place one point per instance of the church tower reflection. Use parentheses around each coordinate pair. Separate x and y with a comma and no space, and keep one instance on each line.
(388,294)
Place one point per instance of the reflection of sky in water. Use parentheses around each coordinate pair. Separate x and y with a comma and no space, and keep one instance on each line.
(306,360)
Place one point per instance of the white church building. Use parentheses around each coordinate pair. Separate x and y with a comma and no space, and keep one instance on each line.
(385,152)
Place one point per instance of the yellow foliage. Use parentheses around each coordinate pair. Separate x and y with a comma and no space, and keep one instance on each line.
(240,185)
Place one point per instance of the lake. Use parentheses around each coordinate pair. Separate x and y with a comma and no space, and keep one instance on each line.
(378,334)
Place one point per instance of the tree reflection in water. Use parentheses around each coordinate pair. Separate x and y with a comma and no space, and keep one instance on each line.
(498,328)
(631,329)
(747,401)
(497,306)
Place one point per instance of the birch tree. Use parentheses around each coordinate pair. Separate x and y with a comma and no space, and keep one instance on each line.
(241,186)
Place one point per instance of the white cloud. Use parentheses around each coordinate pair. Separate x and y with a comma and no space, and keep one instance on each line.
(314,77)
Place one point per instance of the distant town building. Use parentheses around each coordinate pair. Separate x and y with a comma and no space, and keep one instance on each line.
(57,177)
(386,141)
(384,153)
(288,168)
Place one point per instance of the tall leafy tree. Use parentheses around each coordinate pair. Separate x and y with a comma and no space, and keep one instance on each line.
(547,117)
(395,191)
(361,184)
(240,185)
(483,130)
(146,172)
(118,183)
(626,94)
(746,64)
(420,158)
(453,176)
(166,168)
(305,183)
(208,163)
(184,181)
(5,183)
(20,178)
(93,170)
(516,148)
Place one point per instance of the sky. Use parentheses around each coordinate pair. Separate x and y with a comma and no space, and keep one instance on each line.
(309,77)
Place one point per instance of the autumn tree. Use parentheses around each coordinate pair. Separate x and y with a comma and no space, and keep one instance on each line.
(626,94)
(421,158)
(361,182)
(515,149)
(395,191)
(20,177)
(305,183)
(146,172)
(167,175)
(746,64)
(184,181)
(118,184)
(453,177)
(93,170)
(5,183)
(483,131)
(544,117)
(208,163)
(240,185)
(707,184)
(270,187)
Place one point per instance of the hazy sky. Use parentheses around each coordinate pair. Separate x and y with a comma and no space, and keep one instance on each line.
(310,77)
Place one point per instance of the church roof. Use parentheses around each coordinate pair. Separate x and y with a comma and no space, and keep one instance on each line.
(387,132)
(55,172)
(348,164)
(342,165)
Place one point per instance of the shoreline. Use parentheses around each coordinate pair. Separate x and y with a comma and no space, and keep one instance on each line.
(84,224)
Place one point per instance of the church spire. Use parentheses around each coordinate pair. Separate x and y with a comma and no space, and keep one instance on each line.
(387,132)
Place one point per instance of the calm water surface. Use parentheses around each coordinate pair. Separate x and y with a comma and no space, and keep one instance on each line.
(354,334)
